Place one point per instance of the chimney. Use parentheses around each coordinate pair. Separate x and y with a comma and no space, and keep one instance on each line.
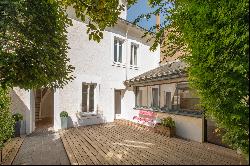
(158,22)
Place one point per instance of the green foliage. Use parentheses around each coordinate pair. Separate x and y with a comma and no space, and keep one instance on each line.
(33,39)
(17,117)
(33,44)
(99,14)
(64,114)
(214,35)
(6,121)
(168,122)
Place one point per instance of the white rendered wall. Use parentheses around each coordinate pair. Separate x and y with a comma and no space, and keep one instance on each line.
(123,14)
(22,101)
(93,63)
(187,127)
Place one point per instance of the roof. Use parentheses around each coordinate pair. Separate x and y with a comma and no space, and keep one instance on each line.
(136,26)
(167,71)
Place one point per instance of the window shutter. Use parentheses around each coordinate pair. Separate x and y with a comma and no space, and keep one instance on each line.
(84,97)
(91,98)
(131,55)
(135,55)
(120,51)
(115,50)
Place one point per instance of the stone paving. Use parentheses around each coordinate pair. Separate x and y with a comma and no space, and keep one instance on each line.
(42,147)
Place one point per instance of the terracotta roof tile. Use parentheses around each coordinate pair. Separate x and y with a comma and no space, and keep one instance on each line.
(170,70)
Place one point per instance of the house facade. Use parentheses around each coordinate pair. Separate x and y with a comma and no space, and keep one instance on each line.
(100,72)
(115,79)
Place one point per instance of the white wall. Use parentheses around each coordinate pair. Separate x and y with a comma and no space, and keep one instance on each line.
(123,14)
(93,63)
(187,127)
(22,101)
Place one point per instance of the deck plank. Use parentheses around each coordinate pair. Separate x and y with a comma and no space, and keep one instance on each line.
(11,149)
(68,149)
(125,143)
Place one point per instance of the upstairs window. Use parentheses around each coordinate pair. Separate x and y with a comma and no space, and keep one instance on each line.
(133,55)
(118,50)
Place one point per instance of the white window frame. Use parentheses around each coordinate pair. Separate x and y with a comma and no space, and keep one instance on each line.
(88,97)
(118,51)
(132,55)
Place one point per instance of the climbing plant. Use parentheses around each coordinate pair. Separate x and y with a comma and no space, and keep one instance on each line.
(33,44)
(214,39)
(6,120)
(212,34)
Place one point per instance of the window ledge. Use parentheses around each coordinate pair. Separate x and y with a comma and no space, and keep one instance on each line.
(118,64)
(133,67)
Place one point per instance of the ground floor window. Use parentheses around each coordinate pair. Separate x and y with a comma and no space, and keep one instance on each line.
(88,97)
(167,100)
(155,97)
(139,97)
(176,96)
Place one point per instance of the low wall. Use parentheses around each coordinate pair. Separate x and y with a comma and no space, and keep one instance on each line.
(187,127)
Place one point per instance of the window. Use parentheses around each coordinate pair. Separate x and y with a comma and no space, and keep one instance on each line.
(138,97)
(168,100)
(118,50)
(155,96)
(133,55)
(188,100)
(88,97)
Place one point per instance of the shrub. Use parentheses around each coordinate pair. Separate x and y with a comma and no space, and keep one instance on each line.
(64,114)
(17,117)
(168,122)
(6,121)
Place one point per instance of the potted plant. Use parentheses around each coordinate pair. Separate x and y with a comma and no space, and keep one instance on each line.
(18,118)
(64,119)
(166,127)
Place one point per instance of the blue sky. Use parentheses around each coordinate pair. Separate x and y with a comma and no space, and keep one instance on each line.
(141,7)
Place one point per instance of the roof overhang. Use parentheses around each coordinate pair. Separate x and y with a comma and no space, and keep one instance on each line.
(159,81)
(170,72)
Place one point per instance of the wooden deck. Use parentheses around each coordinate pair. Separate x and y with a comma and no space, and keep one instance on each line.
(117,143)
(10,150)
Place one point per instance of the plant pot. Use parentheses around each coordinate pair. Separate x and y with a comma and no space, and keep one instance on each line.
(17,128)
(172,131)
(163,130)
(64,122)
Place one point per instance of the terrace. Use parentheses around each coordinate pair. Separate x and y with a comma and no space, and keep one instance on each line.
(125,143)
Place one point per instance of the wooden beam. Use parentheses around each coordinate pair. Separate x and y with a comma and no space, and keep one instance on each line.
(169,81)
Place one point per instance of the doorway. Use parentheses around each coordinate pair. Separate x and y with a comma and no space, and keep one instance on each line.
(44,108)
(117,104)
